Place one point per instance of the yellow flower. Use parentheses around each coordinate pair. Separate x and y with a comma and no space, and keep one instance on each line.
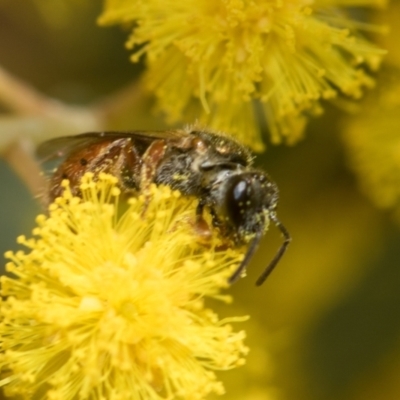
(224,61)
(373,145)
(109,303)
(389,41)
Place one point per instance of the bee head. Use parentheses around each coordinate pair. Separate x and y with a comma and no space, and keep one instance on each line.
(249,197)
(242,203)
(251,200)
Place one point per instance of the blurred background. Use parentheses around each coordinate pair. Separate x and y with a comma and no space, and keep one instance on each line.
(326,324)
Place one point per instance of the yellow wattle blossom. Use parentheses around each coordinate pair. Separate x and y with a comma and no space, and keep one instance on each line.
(223,62)
(108,303)
(373,144)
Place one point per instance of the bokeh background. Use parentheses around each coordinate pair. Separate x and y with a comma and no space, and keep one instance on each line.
(326,324)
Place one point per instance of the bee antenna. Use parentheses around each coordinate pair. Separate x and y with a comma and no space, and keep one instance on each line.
(286,240)
(250,252)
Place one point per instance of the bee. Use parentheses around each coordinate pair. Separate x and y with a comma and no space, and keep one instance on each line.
(214,168)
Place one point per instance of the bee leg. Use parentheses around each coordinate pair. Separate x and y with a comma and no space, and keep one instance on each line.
(151,160)
(201,226)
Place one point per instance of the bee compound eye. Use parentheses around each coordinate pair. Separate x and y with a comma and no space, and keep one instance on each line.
(239,201)
(240,191)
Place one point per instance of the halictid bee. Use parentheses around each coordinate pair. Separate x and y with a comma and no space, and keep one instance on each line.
(214,168)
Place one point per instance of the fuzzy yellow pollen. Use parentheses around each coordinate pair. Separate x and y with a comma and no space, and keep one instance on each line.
(91,304)
(108,301)
(213,60)
(373,146)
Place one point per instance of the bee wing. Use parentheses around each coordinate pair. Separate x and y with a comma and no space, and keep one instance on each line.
(61,147)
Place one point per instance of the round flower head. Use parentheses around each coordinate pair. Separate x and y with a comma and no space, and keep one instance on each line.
(108,303)
(373,145)
(224,61)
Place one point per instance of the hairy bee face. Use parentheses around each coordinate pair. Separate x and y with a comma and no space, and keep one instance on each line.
(248,199)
